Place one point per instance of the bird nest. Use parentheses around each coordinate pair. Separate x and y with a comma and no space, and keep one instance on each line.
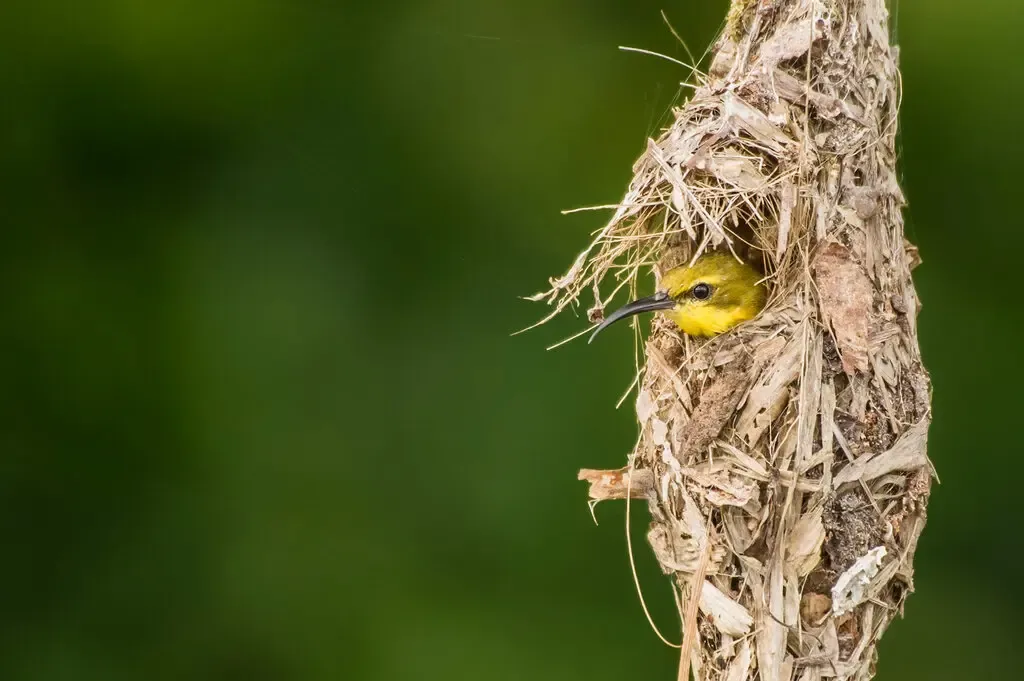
(784,462)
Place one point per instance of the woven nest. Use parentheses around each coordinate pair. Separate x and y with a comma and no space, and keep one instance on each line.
(784,462)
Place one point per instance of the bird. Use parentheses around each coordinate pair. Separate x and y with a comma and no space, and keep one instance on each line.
(709,297)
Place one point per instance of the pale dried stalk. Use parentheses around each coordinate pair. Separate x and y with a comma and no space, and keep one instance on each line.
(788,455)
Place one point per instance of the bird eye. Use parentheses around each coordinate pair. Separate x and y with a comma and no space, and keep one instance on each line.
(701,291)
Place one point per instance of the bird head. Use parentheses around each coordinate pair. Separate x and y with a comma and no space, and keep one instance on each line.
(707,298)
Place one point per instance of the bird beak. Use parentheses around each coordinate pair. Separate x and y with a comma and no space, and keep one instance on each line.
(659,301)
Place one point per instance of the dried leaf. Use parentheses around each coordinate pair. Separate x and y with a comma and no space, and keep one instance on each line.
(908,453)
(791,41)
(645,406)
(769,394)
(737,495)
(771,639)
(913,255)
(850,589)
(845,294)
(804,550)
(740,665)
(722,487)
(659,432)
(744,117)
(814,607)
(728,616)
(750,465)
(797,90)
(693,519)
(737,171)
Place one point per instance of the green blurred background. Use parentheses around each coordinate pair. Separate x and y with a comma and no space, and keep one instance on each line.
(262,415)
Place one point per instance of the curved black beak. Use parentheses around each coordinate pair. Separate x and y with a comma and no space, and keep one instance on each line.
(659,301)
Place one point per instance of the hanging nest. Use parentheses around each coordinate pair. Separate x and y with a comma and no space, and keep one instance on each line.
(784,462)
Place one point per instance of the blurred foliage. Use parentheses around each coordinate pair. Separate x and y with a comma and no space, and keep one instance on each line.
(262,415)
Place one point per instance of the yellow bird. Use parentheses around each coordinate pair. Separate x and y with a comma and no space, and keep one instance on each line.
(713,295)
